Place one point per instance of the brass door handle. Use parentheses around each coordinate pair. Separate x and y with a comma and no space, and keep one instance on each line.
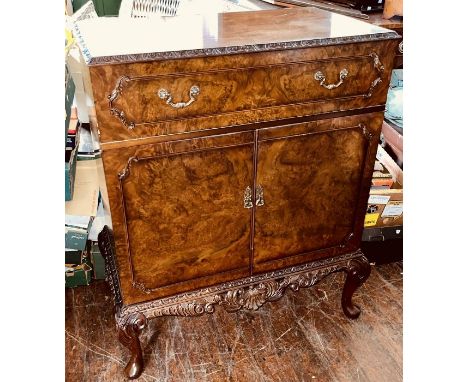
(259,201)
(319,76)
(167,96)
(248,197)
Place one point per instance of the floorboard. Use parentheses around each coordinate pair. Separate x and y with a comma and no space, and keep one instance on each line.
(302,337)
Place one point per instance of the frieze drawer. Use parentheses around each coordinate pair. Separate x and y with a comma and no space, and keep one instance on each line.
(152,99)
(144,100)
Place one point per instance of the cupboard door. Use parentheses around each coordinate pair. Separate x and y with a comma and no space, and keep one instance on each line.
(309,187)
(184,224)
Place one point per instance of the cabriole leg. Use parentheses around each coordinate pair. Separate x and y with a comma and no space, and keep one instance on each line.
(129,328)
(358,270)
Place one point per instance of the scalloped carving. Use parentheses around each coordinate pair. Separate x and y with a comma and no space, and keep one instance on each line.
(249,293)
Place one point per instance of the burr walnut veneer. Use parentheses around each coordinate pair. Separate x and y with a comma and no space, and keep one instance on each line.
(238,151)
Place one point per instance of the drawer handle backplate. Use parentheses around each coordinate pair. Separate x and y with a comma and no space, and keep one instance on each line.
(248,198)
(259,201)
(319,76)
(166,95)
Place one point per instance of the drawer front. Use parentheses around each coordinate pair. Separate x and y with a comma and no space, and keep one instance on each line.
(151,100)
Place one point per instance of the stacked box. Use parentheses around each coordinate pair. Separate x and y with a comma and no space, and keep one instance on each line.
(97,260)
(384,215)
(76,275)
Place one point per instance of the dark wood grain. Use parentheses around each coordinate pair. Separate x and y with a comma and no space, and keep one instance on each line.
(178,214)
(185,216)
(299,174)
(296,163)
(238,89)
(303,336)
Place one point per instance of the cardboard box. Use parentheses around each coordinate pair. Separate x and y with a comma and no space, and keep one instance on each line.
(71,150)
(384,208)
(384,215)
(80,212)
(397,173)
(86,194)
(76,275)
(381,177)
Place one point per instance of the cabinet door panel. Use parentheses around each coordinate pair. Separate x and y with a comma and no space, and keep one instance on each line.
(184,219)
(312,184)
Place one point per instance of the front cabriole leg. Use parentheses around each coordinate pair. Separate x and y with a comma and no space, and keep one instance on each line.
(129,328)
(357,270)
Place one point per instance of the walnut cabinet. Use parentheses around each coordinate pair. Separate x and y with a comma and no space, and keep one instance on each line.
(238,161)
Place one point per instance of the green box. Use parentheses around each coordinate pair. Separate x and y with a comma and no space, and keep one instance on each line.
(76,275)
(99,266)
(76,231)
(102,7)
(75,238)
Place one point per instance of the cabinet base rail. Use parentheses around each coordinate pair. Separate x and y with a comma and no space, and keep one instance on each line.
(249,293)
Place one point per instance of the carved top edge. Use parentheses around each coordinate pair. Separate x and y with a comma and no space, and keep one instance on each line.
(119,40)
(229,50)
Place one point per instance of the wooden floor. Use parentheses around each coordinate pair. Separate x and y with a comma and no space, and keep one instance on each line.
(302,337)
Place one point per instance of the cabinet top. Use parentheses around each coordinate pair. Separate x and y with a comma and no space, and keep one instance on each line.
(113,40)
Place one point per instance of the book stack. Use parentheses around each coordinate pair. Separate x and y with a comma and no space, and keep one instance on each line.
(84,208)
(88,147)
(384,215)
(84,218)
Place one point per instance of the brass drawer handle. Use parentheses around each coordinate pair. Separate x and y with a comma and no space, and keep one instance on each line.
(248,198)
(166,95)
(319,76)
(259,201)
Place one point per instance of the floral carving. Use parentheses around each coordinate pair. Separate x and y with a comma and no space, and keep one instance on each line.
(116,94)
(380,69)
(250,293)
